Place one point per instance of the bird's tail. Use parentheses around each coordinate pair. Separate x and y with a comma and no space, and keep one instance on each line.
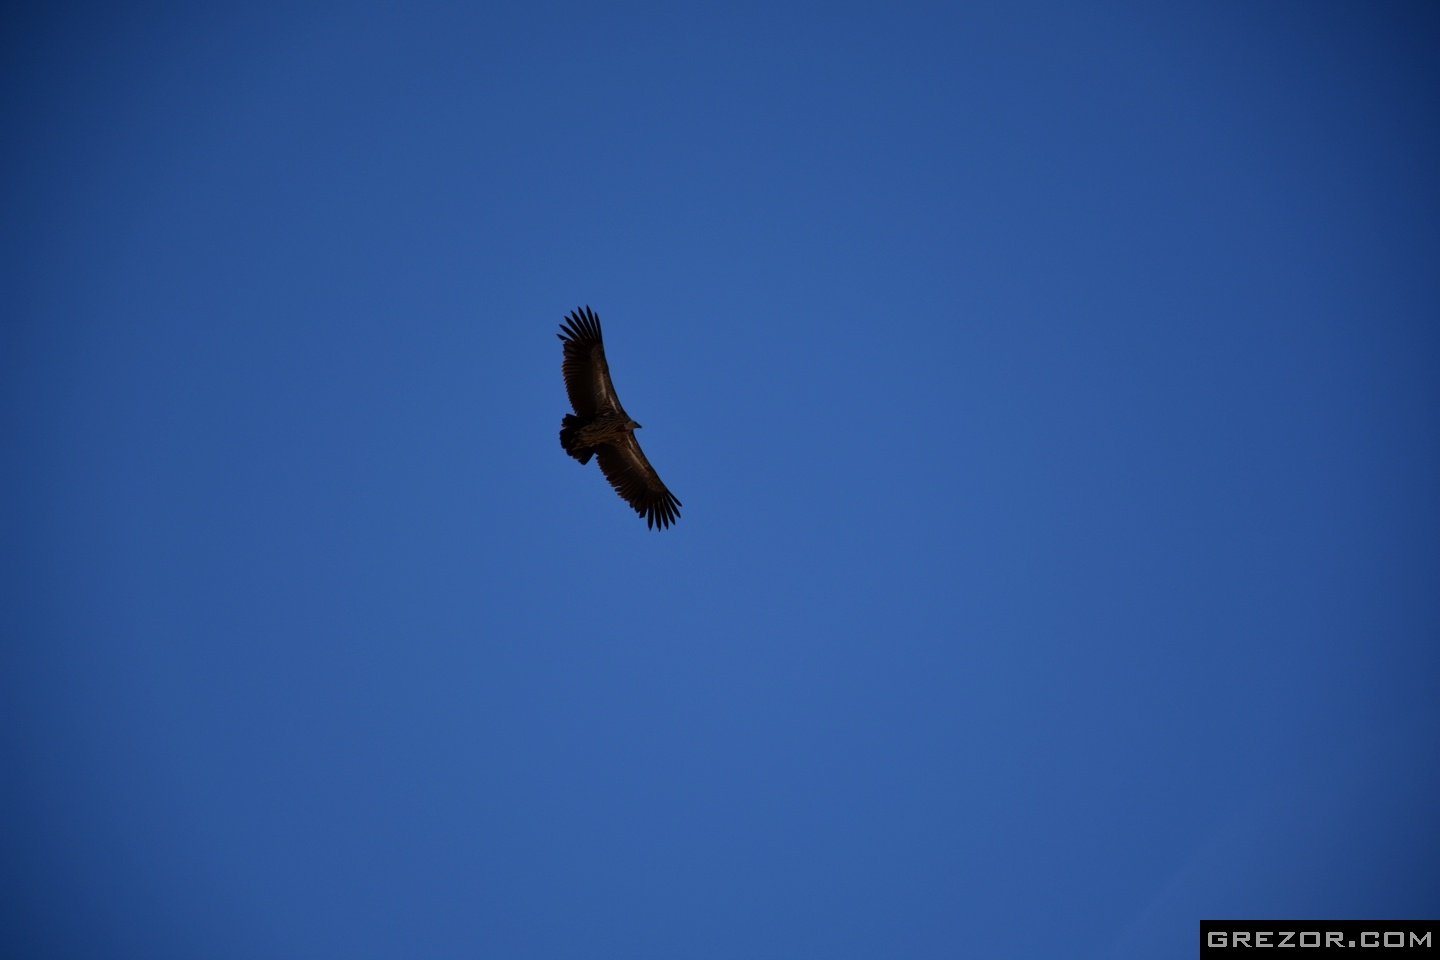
(569,439)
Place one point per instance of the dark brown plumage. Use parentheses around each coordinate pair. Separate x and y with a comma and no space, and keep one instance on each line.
(600,427)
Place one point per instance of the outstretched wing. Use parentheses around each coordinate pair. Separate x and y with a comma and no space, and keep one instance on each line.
(587,375)
(625,466)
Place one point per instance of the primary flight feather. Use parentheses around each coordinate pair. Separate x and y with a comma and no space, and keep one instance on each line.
(601,428)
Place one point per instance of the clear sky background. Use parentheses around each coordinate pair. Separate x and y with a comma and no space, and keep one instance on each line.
(1051,389)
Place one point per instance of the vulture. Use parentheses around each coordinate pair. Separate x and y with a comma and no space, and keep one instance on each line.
(601,428)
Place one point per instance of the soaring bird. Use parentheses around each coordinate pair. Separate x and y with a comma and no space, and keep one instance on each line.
(600,427)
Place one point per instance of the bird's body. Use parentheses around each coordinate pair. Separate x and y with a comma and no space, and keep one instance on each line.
(601,428)
(581,438)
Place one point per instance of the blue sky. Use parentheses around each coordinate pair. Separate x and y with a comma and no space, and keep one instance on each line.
(1051,389)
